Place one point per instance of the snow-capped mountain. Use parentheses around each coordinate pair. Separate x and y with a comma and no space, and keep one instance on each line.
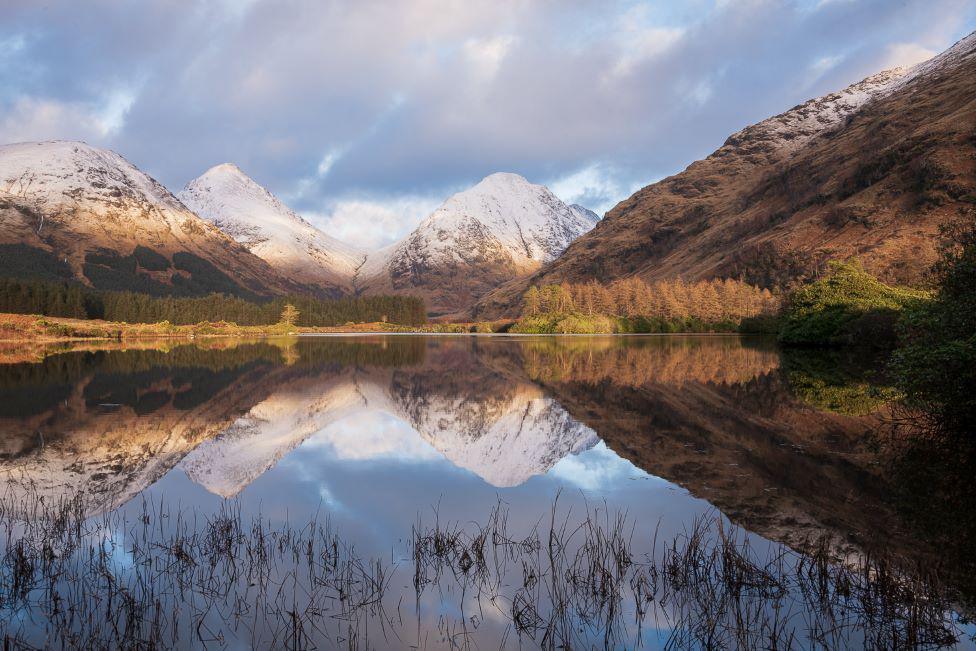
(254,217)
(79,208)
(500,229)
(790,130)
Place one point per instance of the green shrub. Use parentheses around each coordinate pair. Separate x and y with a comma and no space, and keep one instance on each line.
(847,306)
(585,325)
(535,325)
(936,363)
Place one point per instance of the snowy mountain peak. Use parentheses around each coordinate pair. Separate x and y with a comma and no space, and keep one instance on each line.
(61,172)
(585,213)
(250,214)
(501,228)
(528,220)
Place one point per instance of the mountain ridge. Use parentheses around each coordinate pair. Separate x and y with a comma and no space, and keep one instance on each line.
(69,210)
(871,171)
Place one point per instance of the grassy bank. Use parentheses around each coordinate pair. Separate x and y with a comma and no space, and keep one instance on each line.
(36,328)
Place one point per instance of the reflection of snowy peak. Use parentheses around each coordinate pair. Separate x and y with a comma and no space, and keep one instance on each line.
(253,444)
(505,439)
(108,454)
(250,214)
(505,442)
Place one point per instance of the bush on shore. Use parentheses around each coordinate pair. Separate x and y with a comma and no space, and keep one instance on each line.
(935,365)
(847,306)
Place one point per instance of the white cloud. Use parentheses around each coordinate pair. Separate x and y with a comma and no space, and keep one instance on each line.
(640,39)
(905,55)
(486,54)
(595,469)
(110,116)
(327,162)
(595,186)
(30,118)
(373,223)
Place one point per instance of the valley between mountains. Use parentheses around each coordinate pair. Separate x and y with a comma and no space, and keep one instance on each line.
(872,171)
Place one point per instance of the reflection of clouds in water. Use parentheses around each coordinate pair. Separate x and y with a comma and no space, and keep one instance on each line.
(311,474)
(596,469)
(372,435)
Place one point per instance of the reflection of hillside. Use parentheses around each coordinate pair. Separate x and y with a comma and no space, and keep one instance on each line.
(716,418)
(666,360)
(768,460)
(113,422)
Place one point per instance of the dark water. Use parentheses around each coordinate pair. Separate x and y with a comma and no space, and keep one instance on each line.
(473,492)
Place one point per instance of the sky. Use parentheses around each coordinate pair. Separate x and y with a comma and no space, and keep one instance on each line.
(365,115)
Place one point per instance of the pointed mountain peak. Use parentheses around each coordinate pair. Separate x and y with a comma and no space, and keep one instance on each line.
(225,168)
(504,180)
(245,210)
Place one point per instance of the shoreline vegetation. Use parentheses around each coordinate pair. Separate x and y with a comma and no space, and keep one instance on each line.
(632,306)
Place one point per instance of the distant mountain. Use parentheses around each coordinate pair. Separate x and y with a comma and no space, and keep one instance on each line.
(255,218)
(871,171)
(69,210)
(502,228)
(584,213)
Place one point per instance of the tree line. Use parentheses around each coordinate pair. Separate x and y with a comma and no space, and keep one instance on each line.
(709,301)
(76,301)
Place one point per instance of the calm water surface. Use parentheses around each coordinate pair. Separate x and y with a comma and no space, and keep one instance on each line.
(471,492)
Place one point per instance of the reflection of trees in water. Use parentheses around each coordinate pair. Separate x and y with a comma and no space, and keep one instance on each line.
(931,482)
(641,361)
(794,453)
(847,381)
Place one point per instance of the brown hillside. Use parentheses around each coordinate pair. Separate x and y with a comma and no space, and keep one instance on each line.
(871,171)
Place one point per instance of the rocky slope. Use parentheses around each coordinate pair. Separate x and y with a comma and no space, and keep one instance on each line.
(502,228)
(871,171)
(255,218)
(71,210)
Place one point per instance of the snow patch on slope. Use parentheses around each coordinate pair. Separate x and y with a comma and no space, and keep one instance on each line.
(254,217)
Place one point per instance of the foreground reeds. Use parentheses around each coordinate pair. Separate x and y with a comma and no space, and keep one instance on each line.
(171,577)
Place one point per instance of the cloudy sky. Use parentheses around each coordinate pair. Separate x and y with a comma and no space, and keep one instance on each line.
(364,115)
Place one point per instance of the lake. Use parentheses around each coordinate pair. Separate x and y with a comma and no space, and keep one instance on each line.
(472,492)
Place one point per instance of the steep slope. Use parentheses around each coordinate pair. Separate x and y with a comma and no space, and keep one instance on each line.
(502,228)
(71,210)
(871,171)
(254,217)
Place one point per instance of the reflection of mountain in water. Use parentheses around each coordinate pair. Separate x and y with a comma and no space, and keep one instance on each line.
(499,427)
(257,440)
(112,423)
(714,415)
